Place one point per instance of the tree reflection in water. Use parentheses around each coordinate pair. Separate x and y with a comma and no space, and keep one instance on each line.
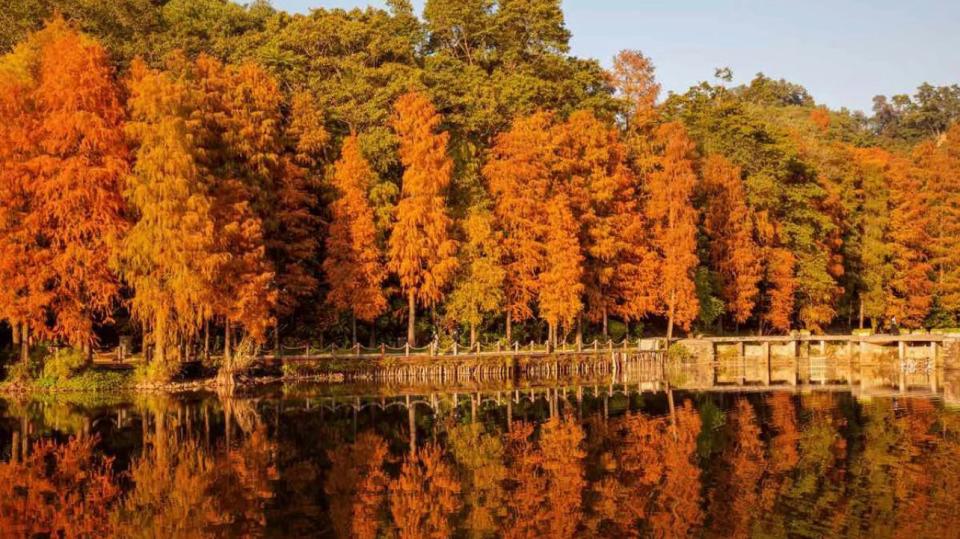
(761,465)
(58,490)
(357,486)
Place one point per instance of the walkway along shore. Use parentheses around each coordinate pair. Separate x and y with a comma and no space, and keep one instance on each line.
(701,362)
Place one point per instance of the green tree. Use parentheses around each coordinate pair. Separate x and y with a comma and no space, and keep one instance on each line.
(478,291)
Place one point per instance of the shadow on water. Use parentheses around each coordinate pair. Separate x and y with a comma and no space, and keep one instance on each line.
(808,447)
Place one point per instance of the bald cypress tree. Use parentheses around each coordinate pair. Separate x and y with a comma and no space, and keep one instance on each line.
(353,265)
(64,162)
(421,251)
(674,225)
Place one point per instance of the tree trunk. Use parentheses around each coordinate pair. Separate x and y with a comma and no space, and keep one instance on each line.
(861,312)
(25,343)
(509,328)
(206,340)
(373,334)
(605,335)
(15,327)
(159,345)
(473,335)
(227,341)
(411,319)
(579,330)
(353,327)
(276,341)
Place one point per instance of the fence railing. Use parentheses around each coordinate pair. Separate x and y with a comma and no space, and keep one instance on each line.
(455,349)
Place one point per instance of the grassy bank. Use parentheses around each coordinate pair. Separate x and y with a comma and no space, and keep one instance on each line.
(93,379)
(69,371)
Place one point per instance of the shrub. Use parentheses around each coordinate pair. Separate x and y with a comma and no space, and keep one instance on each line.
(298,369)
(617,330)
(157,372)
(88,380)
(64,364)
(20,373)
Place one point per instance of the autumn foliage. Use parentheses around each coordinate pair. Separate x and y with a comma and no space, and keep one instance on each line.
(353,265)
(62,490)
(421,251)
(733,251)
(673,220)
(191,191)
(204,256)
(63,164)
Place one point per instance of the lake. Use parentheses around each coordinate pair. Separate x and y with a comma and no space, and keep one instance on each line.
(570,457)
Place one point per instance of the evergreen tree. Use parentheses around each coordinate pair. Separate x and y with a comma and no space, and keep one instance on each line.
(478,291)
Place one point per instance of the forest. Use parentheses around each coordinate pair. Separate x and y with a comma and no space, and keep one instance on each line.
(206,175)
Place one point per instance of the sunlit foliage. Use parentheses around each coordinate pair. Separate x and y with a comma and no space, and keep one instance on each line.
(205,166)
(58,490)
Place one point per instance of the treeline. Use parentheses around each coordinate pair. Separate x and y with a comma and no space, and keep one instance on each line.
(187,168)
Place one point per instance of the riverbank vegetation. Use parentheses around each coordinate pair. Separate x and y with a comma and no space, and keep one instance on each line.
(204,176)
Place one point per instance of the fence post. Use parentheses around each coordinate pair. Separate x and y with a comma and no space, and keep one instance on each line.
(456,350)
(356,348)
(406,349)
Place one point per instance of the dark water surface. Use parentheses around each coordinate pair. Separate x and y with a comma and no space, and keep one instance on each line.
(565,460)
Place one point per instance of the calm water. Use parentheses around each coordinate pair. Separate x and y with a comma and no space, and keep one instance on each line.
(550,461)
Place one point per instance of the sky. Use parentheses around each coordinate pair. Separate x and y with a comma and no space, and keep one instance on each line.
(843,51)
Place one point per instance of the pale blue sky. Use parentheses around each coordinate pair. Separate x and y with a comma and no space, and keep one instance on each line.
(844,52)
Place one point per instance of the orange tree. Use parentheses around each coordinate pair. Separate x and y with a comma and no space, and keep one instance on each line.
(353,267)
(63,164)
(674,224)
(734,253)
(518,176)
(421,251)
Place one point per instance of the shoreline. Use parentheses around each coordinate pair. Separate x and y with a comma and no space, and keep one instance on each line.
(209,384)
(941,350)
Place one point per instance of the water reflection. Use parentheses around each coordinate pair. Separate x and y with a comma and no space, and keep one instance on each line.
(540,461)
